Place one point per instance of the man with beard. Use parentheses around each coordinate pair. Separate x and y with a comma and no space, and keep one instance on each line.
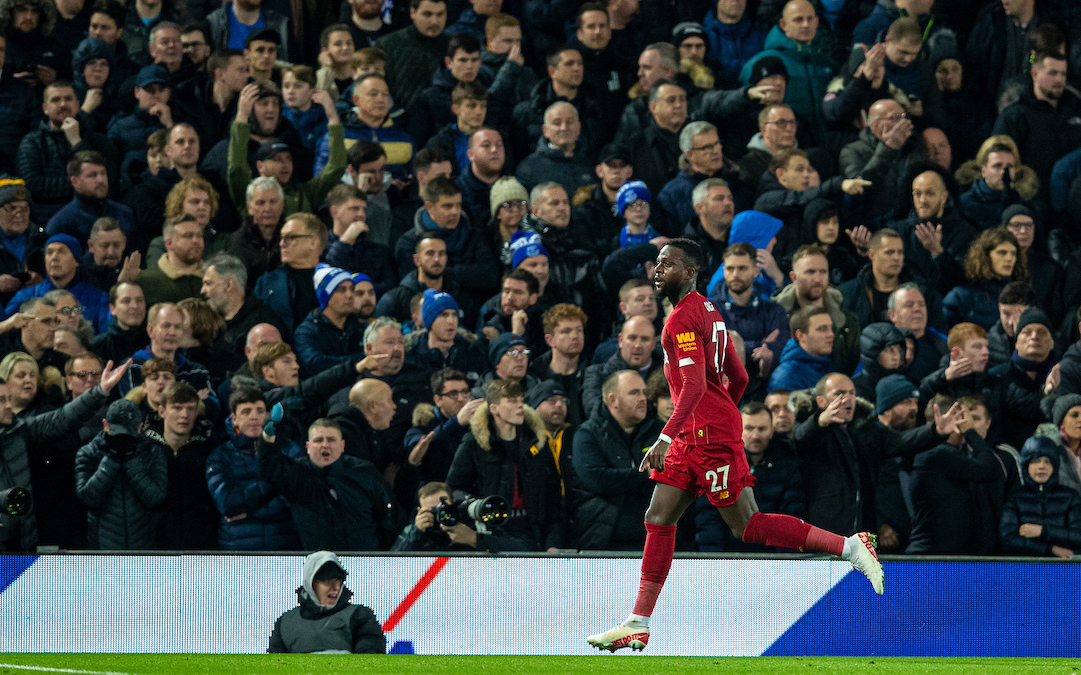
(430,259)
(104,265)
(936,238)
(810,286)
(515,310)
(87,172)
(896,406)
(225,290)
(868,294)
(363,297)
(365,21)
(564,332)
(179,272)
(1043,122)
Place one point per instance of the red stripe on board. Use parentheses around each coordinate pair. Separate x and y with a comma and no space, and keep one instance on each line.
(414,593)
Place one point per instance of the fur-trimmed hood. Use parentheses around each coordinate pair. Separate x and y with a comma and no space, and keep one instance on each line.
(423,414)
(45,8)
(1025,182)
(802,403)
(480,425)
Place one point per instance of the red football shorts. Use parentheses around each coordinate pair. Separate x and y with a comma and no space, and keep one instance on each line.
(718,471)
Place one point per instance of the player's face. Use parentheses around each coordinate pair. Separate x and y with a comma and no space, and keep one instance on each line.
(670,273)
(811,275)
(739,273)
(783,418)
(818,341)
(757,432)
(841,387)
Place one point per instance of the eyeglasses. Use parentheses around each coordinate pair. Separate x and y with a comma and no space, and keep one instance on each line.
(50,321)
(455,393)
(715,145)
(87,374)
(636,204)
(514,204)
(288,239)
(519,353)
(783,124)
(68,312)
(1021,225)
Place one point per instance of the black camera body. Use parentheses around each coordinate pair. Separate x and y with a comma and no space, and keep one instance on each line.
(15,502)
(489,511)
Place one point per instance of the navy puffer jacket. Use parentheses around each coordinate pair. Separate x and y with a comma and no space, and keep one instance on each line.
(1053,506)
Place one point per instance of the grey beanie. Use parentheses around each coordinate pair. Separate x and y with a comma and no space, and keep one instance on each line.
(1063,405)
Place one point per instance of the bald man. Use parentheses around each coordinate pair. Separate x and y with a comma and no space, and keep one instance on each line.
(840,488)
(936,237)
(806,56)
(880,155)
(638,351)
(371,409)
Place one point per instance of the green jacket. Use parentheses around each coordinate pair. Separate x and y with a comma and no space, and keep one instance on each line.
(299,197)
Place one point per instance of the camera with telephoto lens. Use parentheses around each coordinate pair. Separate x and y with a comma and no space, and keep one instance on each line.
(490,511)
(15,501)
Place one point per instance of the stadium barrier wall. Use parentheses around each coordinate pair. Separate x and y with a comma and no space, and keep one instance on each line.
(547,605)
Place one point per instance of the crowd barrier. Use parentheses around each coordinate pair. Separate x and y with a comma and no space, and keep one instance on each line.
(547,605)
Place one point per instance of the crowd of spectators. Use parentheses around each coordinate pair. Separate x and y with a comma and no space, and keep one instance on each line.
(414,239)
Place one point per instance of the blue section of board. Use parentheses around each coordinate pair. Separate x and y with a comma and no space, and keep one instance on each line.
(402,647)
(942,609)
(12,567)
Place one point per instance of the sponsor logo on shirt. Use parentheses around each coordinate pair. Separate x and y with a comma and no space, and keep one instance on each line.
(686,341)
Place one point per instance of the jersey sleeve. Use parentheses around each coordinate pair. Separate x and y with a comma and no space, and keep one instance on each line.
(689,360)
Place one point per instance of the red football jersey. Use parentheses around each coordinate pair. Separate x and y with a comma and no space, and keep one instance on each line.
(697,352)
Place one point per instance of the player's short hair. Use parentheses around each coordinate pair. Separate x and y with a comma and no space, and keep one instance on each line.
(962,333)
(179,392)
(525,276)
(371,333)
(742,248)
(433,488)
(891,302)
(701,191)
(809,249)
(104,224)
(763,116)
(244,395)
(630,285)
(905,29)
(468,91)
(230,266)
(801,318)
(497,21)
(340,194)
(426,157)
(324,423)
(157,365)
(266,356)
(564,311)
(820,386)
(1017,293)
(755,408)
(692,251)
(885,233)
(301,73)
(782,157)
(462,43)
(324,37)
(75,164)
(972,402)
(612,383)
(601,7)
(440,186)
(501,389)
(444,375)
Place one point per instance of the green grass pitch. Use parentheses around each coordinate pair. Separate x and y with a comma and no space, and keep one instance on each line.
(602,664)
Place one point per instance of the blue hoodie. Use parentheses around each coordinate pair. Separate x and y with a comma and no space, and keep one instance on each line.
(797,369)
(731,45)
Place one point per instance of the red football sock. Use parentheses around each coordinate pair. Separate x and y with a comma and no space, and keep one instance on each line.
(656,561)
(775,529)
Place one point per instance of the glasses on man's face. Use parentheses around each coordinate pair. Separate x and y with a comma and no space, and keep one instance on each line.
(455,393)
(1021,225)
(783,124)
(514,204)
(290,239)
(715,145)
(636,205)
(518,353)
(87,374)
(68,312)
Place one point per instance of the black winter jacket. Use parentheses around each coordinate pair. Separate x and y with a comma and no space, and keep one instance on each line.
(1051,505)
(121,493)
(612,492)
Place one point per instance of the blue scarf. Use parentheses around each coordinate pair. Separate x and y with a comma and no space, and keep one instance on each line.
(627,239)
(16,244)
(455,238)
(1041,368)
